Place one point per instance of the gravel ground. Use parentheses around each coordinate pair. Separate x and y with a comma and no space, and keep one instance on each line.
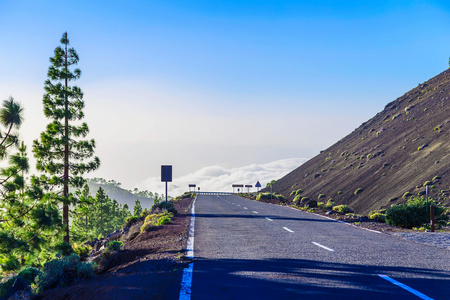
(430,238)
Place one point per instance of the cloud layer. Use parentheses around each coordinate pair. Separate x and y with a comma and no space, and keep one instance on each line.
(218,178)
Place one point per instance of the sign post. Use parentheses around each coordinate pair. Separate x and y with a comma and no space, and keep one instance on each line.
(166,175)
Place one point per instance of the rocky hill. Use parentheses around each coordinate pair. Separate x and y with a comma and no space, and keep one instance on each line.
(386,159)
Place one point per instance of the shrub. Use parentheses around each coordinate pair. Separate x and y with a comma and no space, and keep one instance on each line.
(169,206)
(436,178)
(339,192)
(321,204)
(342,209)
(358,191)
(292,193)
(131,220)
(304,199)
(29,274)
(9,263)
(329,204)
(321,196)
(297,198)
(377,215)
(82,250)
(64,248)
(427,183)
(270,196)
(114,246)
(62,272)
(413,213)
(165,218)
(406,195)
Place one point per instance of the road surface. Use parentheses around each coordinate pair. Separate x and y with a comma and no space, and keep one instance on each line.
(252,250)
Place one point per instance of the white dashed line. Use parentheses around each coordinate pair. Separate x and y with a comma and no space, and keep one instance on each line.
(268,219)
(238,205)
(287,229)
(245,208)
(405,287)
(255,212)
(322,246)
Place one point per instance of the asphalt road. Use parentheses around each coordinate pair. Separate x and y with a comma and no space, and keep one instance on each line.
(251,250)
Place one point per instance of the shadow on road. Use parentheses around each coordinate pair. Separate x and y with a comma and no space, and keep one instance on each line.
(307,279)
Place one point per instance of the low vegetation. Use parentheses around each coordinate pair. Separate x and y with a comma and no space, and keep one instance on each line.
(414,214)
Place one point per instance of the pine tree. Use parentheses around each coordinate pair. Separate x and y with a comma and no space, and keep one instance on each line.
(61,152)
(137,210)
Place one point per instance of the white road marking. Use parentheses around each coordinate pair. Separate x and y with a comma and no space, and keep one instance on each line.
(405,287)
(322,246)
(186,281)
(287,229)
(255,212)
(245,208)
(268,219)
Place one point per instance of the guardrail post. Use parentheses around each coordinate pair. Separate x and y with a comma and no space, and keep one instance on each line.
(432,217)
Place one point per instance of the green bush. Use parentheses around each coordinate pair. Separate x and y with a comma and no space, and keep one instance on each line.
(131,220)
(64,248)
(329,204)
(358,191)
(114,246)
(406,195)
(304,199)
(29,275)
(63,271)
(297,198)
(413,213)
(378,215)
(342,209)
(321,204)
(9,263)
(271,196)
(169,206)
(165,218)
(321,196)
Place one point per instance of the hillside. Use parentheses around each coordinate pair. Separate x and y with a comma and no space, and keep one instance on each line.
(122,196)
(395,152)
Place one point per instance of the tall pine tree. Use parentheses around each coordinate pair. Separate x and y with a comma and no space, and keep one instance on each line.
(61,152)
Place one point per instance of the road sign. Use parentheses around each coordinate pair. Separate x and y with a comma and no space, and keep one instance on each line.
(166,173)
(258,185)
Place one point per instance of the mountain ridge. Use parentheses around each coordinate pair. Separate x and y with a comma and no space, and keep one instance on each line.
(395,152)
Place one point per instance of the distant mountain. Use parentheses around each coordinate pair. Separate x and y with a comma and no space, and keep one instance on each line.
(388,158)
(122,196)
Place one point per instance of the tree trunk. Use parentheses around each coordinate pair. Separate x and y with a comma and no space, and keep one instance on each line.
(66,162)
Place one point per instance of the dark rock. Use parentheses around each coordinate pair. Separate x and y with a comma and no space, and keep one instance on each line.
(21,295)
(18,285)
(329,212)
(364,219)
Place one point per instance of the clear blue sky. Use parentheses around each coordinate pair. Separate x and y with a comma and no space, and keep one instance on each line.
(229,83)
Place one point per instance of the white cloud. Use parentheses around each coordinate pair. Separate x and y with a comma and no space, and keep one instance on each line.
(218,178)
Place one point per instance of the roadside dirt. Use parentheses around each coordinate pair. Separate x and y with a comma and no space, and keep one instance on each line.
(149,267)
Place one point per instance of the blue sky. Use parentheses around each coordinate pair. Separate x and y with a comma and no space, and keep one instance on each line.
(221,83)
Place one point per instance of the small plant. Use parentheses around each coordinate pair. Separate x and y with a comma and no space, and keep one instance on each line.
(329,204)
(407,195)
(114,246)
(62,272)
(82,250)
(339,192)
(131,220)
(427,183)
(321,196)
(358,191)
(436,178)
(379,215)
(342,209)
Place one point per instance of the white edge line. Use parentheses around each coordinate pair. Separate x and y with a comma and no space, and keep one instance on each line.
(287,229)
(186,281)
(405,287)
(322,246)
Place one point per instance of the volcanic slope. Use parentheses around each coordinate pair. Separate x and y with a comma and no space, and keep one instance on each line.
(387,158)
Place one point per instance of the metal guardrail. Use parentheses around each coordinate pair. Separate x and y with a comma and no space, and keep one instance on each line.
(214,193)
